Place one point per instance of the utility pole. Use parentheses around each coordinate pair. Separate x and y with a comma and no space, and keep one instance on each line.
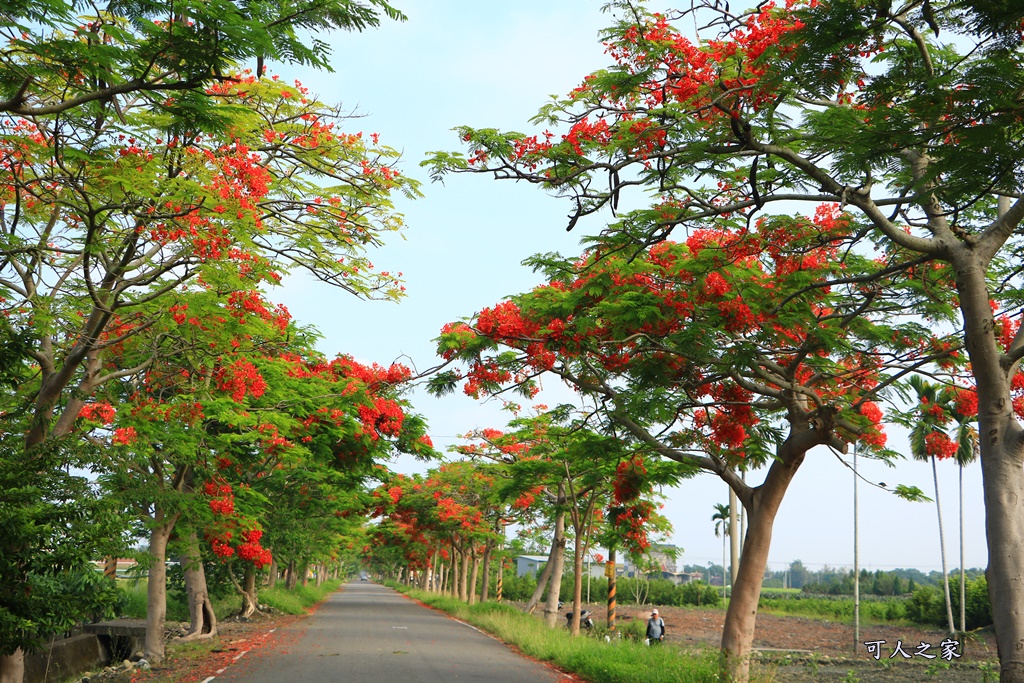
(856,559)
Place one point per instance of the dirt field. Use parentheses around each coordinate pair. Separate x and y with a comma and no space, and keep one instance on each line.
(802,650)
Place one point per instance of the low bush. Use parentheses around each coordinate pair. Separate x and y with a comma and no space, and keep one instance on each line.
(927,604)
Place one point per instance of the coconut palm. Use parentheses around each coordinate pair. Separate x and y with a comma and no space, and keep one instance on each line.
(721,520)
(926,437)
(968,447)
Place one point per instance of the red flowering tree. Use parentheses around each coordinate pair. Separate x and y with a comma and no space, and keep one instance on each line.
(271,435)
(99,119)
(111,223)
(721,354)
(136,212)
(552,463)
(402,542)
(838,101)
(448,518)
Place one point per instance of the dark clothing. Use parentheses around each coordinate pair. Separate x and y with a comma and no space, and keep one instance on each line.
(655,628)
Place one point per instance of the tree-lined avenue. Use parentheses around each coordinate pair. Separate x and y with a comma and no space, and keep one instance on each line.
(367,632)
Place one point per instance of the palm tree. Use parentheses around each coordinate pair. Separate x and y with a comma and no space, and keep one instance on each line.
(968,447)
(721,520)
(927,432)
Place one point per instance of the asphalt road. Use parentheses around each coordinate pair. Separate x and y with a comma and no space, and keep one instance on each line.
(370,633)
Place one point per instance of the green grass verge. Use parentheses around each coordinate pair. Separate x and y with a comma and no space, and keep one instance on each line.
(288,601)
(135,600)
(299,600)
(620,661)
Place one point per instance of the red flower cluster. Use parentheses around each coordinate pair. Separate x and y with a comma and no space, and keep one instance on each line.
(124,436)
(505,321)
(239,378)
(965,402)
(939,445)
(252,302)
(384,416)
(630,477)
(251,550)
(98,412)
(633,520)
(874,436)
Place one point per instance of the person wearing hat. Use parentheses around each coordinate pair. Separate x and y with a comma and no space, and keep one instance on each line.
(655,627)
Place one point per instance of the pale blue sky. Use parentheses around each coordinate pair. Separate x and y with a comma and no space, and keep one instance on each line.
(493,64)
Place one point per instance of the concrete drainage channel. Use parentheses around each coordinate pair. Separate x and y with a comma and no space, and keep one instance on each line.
(99,646)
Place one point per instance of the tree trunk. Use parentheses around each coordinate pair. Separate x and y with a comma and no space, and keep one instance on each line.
(156,595)
(200,609)
(741,615)
(272,575)
(1004,484)
(305,574)
(577,585)
(249,594)
(734,536)
(473,577)
(542,582)
(464,575)
(290,577)
(1002,464)
(551,607)
(12,667)
(247,589)
(485,588)
(454,573)
(942,550)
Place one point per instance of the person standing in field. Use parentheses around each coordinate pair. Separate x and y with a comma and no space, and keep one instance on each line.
(655,628)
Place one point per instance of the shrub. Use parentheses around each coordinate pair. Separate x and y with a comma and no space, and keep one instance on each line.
(697,593)
(978,607)
(518,588)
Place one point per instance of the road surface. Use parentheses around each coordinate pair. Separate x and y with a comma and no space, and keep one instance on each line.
(367,633)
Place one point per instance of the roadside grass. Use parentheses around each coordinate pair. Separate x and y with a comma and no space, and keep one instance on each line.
(295,601)
(598,661)
(135,601)
(300,599)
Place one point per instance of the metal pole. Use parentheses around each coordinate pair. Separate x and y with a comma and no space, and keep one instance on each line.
(856,560)
(590,567)
(501,561)
(610,570)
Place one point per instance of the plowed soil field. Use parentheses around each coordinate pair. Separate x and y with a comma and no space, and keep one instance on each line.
(804,650)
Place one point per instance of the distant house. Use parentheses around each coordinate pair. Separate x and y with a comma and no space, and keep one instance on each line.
(530,564)
(663,555)
(682,577)
(534,564)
